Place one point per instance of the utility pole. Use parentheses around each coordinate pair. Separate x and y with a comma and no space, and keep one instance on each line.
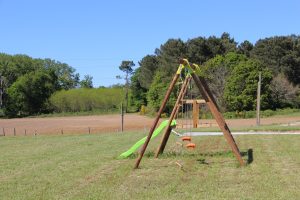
(126,95)
(258,100)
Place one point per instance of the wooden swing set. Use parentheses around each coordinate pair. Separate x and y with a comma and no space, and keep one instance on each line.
(195,74)
(195,103)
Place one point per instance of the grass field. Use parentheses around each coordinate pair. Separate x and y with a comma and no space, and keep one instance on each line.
(85,167)
(270,127)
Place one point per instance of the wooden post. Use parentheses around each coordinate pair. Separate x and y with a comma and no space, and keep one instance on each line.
(14,131)
(195,113)
(62,131)
(173,114)
(1,90)
(89,130)
(258,100)
(163,105)
(122,118)
(25,132)
(3,130)
(211,103)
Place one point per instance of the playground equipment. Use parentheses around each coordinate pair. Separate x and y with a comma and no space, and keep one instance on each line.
(195,110)
(156,132)
(142,141)
(195,74)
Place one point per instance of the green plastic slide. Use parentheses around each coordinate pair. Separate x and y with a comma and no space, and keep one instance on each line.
(142,141)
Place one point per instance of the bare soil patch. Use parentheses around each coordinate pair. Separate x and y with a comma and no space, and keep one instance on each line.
(107,123)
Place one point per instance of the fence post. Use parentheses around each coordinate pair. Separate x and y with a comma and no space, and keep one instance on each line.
(3,131)
(25,132)
(14,131)
(89,130)
(62,131)
(122,117)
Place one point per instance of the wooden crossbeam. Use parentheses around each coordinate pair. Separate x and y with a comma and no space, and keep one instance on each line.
(191,101)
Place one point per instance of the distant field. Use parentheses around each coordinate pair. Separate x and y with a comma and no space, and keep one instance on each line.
(112,123)
(85,167)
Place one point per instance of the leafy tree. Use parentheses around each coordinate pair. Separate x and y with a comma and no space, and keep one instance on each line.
(148,66)
(138,93)
(198,50)
(241,88)
(245,48)
(228,44)
(157,92)
(202,49)
(67,78)
(12,67)
(127,67)
(281,54)
(291,65)
(284,94)
(217,71)
(168,56)
(29,94)
(87,82)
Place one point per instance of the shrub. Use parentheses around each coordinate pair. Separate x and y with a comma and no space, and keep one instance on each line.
(86,99)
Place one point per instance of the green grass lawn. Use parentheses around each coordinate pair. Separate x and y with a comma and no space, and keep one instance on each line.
(85,167)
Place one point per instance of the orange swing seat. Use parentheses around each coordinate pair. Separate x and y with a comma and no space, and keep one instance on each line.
(191,146)
(186,138)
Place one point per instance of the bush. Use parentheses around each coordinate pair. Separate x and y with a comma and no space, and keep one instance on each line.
(29,94)
(268,113)
(143,110)
(84,99)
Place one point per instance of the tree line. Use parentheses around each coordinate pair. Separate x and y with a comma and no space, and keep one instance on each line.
(231,70)
(27,83)
(33,86)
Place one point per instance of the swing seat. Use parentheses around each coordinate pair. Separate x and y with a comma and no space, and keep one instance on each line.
(191,146)
(186,138)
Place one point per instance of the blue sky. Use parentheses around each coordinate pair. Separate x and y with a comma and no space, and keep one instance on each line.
(95,36)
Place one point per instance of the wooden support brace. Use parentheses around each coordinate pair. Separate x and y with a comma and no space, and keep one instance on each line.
(211,103)
(163,105)
(167,132)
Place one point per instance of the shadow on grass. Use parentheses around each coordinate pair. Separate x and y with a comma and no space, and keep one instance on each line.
(202,161)
(150,154)
(249,154)
(172,154)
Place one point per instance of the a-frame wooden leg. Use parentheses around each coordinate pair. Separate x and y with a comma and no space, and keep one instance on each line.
(210,101)
(168,129)
(163,105)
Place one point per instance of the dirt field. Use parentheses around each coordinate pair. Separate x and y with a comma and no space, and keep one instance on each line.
(105,123)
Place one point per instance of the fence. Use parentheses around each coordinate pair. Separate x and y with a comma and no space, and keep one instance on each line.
(5,131)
